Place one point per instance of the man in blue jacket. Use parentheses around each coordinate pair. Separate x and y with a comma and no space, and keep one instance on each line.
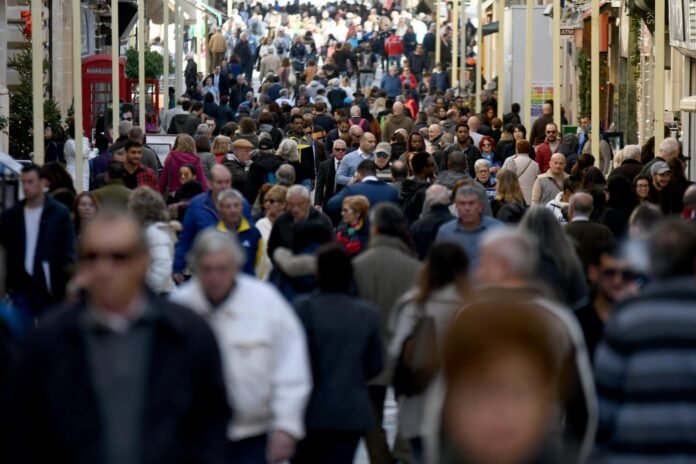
(366,184)
(391,82)
(202,213)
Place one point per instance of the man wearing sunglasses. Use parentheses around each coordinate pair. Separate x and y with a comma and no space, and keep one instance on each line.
(123,376)
(613,280)
(326,176)
(548,148)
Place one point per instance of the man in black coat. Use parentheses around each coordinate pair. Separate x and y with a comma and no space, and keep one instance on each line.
(424,230)
(630,167)
(326,186)
(39,239)
(123,377)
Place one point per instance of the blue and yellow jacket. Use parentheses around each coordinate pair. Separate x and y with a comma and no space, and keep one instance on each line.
(250,239)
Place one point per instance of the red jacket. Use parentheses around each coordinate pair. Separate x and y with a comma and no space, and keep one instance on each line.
(411,80)
(394,45)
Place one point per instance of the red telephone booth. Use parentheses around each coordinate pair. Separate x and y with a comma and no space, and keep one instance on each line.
(96,89)
(152,99)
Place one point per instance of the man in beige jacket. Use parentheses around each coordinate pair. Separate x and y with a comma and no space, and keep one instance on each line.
(217,46)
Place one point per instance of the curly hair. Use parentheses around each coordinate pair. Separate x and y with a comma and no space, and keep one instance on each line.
(147,206)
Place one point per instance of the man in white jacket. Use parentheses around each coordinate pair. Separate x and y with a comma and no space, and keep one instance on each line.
(263,349)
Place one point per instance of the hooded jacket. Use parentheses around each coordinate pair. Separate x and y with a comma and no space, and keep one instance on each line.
(412,198)
(394,122)
(169,179)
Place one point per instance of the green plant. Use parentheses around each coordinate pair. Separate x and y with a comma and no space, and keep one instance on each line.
(584,83)
(154,64)
(21,110)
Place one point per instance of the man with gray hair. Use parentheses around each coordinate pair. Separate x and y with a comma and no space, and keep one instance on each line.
(630,166)
(435,213)
(299,211)
(268,388)
(468,229)
(285,175)
(669,149)
(124,128)
(588,236)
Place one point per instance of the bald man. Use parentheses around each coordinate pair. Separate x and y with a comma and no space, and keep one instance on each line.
(550,183)
(474,125)
(588,235)
(397,120)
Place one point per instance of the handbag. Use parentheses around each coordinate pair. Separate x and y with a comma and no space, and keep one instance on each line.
(419,360)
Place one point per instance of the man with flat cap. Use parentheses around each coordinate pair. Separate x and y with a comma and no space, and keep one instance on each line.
(238,162)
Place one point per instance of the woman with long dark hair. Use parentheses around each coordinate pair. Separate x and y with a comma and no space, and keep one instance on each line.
(439,292)
(559,265)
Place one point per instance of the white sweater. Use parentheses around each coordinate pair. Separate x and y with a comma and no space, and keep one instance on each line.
(161,238)
(264,353)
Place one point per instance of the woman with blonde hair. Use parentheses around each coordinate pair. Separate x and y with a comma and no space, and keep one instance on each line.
(354,232)
(508,205)
(183,153)
(274,205)
(221,146)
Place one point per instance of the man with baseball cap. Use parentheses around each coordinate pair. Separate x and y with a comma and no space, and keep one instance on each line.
(238,162)
(383,161)
(663,192)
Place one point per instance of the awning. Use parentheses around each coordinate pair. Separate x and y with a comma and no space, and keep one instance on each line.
(154,11)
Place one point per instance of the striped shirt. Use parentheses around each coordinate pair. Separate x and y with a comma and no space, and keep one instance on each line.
(646,377)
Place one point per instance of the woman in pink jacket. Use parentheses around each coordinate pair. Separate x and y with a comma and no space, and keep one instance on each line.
(183,152)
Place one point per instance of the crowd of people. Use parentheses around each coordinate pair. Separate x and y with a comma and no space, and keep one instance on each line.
(311,243)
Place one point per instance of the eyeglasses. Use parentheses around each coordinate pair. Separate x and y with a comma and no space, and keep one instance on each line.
(486,145)
(551,132)
(613,273)
(116,257)
(339,149)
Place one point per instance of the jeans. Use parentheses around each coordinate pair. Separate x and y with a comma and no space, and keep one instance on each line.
(395,60)
(250,450)
(366,79)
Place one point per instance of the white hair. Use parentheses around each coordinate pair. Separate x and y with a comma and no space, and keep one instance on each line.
(631,152)
(213,242)
(481,163)
(288,151)
(669,145)
(298,191)
(230,193)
